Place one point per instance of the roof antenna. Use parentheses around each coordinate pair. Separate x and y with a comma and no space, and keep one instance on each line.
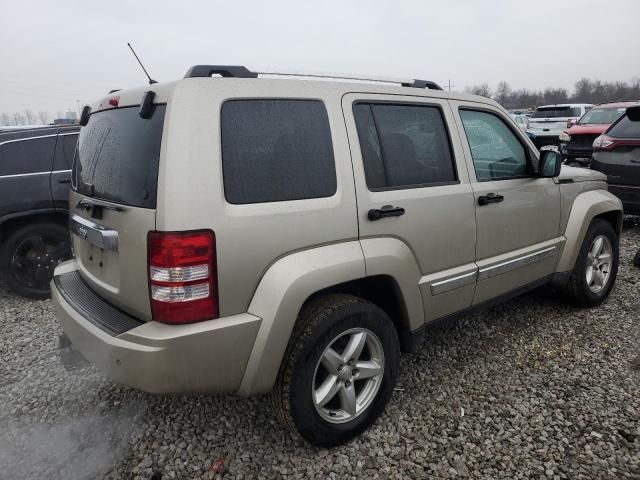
(151,80)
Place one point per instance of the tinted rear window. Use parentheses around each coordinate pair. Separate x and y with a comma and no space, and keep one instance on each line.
(27,156)
(625,128)
(557,112)
(276,150)
(119,153)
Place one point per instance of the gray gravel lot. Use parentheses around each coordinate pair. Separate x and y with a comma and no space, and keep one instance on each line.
(529,389)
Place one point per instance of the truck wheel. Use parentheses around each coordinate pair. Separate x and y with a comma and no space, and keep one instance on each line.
(596,267)
(29,256)
(339,370)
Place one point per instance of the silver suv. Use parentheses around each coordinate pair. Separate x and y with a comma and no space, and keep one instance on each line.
(291,236)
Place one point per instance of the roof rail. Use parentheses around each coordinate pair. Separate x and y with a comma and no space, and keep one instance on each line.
(243,72)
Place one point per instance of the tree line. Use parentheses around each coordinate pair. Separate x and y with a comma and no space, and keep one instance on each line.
(26,117)
(585,91)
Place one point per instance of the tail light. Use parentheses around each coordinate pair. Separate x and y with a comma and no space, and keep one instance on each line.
(183,276)
(605,142)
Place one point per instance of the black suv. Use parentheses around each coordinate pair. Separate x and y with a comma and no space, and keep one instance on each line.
(35,172)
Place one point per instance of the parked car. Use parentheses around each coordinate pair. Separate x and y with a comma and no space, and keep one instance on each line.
(254,235)
(576,143)
(616,153)
(521,120)
(35,166)
(549,121)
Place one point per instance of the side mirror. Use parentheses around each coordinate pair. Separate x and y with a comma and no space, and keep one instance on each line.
(571,122)
(550,164)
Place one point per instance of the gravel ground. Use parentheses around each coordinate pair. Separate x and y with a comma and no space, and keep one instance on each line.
(529,389)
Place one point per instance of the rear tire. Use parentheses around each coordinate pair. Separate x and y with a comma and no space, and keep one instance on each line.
(331,328)
(596,268)
(29,256)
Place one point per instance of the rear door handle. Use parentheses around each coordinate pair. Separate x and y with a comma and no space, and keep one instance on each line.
(384,212)
(64,180)
(489,198)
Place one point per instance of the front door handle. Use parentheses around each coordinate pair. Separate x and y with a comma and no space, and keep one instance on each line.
(489,198)
(384,212)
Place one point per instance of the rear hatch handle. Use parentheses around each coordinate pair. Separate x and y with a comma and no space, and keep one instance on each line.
(95,207)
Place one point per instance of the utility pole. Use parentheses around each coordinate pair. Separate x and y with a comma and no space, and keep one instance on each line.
(449,85)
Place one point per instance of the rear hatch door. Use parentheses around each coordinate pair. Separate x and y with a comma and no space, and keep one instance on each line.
(552,119)
(113,203)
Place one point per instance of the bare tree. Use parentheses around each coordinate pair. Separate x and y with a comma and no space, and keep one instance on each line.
(5,119)
(18,119)
(44,117)
(483,90)
(503,94)
(30,117)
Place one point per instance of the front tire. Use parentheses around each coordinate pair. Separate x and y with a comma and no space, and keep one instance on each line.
(29,256)
(596,268)
(339,370)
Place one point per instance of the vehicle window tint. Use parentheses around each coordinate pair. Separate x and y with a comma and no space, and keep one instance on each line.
(119,154)
(27,156)
(496,151)
(403,145)
(65,151)
(276,150)
(625,128)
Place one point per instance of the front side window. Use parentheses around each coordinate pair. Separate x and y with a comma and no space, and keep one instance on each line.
(403,145)
(496,151)
(276,150)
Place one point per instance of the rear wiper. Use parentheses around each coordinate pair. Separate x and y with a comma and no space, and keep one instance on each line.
(95,207)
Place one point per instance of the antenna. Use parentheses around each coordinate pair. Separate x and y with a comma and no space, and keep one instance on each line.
(151,80)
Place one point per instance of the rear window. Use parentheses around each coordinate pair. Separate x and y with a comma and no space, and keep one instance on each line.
(31,155)
(118,156)
(604,116)
(557,112)
(625,128)
(276,150)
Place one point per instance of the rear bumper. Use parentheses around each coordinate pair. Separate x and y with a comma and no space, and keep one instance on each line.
(630,197)
(208,356)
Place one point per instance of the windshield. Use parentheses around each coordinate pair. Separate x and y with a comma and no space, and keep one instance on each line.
(602,116)
(118,156)
(557,112)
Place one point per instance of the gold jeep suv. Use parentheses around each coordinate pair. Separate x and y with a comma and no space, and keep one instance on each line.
(250,233)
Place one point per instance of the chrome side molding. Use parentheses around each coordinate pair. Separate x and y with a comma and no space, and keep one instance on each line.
(97,235)
(449,284)
(515,263)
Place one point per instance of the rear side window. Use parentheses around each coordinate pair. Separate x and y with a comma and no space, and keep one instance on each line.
(403,146)
(118,156)
(65,151)
(27,156)
(557,112)
(625,128)
(276,150)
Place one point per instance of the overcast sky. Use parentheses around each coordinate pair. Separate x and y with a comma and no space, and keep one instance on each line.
(54,53)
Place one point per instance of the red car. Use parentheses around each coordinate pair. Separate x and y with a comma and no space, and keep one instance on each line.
(576,143)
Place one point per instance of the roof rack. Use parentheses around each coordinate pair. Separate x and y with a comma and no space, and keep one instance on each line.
(238,71)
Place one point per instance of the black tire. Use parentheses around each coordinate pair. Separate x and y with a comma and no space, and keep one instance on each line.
(321,321)
(636,259)
(579,292)
(29,256)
